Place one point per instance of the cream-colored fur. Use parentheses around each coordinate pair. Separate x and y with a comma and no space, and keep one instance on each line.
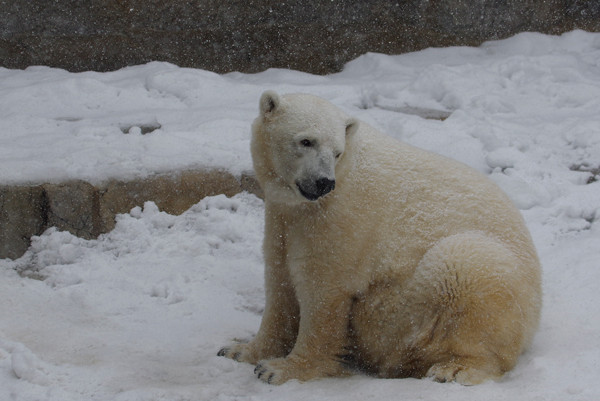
(414,265)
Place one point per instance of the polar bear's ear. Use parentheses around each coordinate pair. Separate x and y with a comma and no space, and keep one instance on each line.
(351,126)
(269,102)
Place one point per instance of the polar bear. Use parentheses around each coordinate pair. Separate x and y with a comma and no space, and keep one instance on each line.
(382,257)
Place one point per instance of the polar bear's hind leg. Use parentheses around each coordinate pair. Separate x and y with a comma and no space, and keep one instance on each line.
(464,316)
(482,305)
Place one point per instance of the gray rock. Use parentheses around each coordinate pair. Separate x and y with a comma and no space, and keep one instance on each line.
(73,206)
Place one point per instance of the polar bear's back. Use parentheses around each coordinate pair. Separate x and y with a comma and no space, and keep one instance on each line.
(411,193)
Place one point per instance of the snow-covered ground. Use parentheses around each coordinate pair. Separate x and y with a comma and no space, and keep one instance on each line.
(140,313)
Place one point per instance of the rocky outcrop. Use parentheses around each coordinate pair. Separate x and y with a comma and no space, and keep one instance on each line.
(253,35)
(87,211)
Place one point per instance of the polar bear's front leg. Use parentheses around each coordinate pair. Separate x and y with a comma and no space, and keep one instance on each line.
(319,348)
(279,325)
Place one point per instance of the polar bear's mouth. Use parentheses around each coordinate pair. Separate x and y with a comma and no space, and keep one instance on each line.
(314,190)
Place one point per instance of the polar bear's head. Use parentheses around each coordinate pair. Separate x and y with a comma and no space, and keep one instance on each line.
(298,141)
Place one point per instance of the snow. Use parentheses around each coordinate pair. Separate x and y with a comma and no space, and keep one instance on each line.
(140,312)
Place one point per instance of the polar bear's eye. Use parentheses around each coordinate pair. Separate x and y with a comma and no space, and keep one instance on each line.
(307,143)
(337,155)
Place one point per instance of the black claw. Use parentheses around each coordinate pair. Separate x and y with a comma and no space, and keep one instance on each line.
(270,377)
(260,370)
(223,351)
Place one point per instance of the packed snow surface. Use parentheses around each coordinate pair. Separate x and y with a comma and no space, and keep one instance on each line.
(140,313)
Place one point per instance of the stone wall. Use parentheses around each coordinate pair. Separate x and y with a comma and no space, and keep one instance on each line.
(88,211)
(252,35)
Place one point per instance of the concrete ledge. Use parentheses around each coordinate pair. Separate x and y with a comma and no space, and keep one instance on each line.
(87,211)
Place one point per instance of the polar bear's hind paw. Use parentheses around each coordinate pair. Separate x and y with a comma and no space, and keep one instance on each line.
(457,372)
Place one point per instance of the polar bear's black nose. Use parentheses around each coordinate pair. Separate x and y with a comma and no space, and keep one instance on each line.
(324,186)
(313,190)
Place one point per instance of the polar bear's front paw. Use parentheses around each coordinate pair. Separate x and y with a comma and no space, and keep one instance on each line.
(275,371)
(239,352)
(280,370)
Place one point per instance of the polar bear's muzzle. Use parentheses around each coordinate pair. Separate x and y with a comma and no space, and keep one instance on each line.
(313,190)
